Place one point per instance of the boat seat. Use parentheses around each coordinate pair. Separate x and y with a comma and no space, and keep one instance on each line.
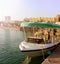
(40,41)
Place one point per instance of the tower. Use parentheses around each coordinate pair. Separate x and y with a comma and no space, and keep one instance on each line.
(7,18)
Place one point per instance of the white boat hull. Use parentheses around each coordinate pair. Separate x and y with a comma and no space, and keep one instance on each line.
(37,52)
(34,53)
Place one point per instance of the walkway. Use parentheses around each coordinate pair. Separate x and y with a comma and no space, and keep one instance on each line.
(54,58)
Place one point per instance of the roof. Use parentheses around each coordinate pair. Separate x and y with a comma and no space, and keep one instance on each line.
(39,24)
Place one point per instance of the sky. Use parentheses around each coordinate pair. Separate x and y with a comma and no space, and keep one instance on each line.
(20,9)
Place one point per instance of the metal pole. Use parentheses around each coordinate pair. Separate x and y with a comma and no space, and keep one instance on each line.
(24,33)
(33,31)
(52,36)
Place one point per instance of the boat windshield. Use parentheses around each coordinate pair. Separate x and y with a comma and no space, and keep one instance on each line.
(35,40)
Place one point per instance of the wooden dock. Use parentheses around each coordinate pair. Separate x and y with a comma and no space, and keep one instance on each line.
(54,58)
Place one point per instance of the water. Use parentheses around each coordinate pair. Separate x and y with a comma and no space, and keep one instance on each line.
(9,48)
(9,51)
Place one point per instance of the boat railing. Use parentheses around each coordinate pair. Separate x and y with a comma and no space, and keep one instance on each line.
(56,38)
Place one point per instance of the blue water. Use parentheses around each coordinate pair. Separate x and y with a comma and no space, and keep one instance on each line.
(9,48)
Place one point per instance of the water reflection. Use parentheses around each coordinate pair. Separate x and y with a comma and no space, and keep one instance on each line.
(35,60)
(27,60)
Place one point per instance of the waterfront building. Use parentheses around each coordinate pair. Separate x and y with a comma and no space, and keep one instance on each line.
(7,19)
(44,19)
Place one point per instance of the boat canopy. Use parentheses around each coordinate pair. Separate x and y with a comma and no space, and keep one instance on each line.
(39,24)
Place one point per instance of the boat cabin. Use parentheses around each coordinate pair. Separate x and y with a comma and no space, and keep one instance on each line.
(41,33)
(35,40)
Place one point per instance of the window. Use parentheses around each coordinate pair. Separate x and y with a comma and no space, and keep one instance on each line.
(35,40)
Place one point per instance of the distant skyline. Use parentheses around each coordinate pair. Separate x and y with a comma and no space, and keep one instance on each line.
(20,9)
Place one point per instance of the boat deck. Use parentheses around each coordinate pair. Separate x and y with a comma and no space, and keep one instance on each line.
(54,58)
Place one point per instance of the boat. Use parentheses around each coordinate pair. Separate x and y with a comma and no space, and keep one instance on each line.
(39,42)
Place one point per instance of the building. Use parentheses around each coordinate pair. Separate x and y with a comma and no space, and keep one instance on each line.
(7,19)
(44,19)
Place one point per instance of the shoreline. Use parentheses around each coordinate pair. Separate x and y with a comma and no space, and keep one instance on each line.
(10,28)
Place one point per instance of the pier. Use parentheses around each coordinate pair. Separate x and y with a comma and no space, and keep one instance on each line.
(54,58)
